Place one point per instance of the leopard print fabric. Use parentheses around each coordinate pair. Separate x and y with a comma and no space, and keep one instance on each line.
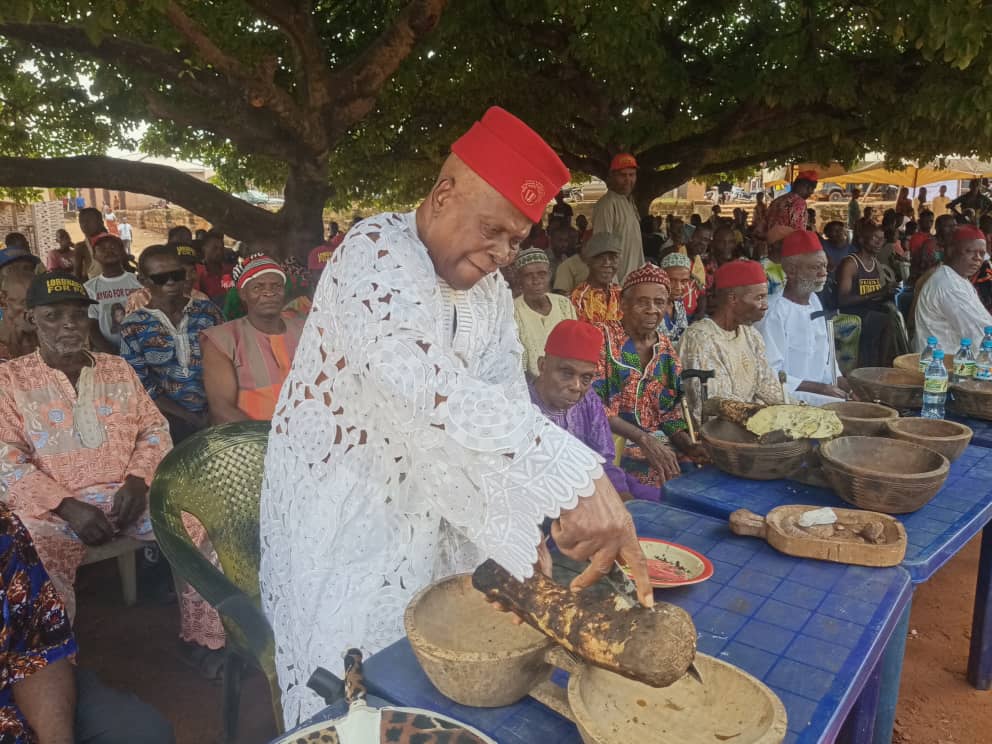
(401,727)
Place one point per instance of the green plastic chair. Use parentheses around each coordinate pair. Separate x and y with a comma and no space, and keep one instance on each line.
(216,475)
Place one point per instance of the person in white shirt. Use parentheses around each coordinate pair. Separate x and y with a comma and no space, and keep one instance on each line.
(125,233)
(947,305)
(940,203)
(794,328)
(110,289)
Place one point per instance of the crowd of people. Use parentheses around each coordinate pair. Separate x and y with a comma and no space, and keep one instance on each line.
(108,361)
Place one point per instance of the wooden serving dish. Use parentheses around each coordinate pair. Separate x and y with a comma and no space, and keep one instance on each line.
(911,362)
(949,438)
(971,398)
(841,542)
(473,662)
(737,451)
(897,388)
(880,474)
(862,419)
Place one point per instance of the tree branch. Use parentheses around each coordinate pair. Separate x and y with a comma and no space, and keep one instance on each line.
(358,83)
(234,216)
(296,21)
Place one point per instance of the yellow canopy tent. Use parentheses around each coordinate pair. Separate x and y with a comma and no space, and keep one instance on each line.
(786,174)
(913,175)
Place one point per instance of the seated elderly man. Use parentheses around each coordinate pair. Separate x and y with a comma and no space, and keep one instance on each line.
(563,392)
(794,328)
(536,311)
(44,698)
(79,438)
(726,343)
(947,305)
(638,382)
(597,299)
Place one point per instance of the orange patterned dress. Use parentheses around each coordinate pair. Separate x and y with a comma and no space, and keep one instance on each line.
(595,305)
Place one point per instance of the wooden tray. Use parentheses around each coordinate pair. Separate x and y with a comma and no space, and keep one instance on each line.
(779,528)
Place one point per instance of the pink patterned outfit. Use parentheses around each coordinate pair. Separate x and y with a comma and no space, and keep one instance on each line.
(58,441)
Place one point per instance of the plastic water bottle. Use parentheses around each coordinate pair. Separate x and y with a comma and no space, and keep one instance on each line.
(983,364)
(927,354)
(935,387)
(964,362)
(988,335)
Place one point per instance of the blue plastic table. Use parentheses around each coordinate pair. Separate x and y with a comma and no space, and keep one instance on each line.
(982,429)
(961,509)
(813,632)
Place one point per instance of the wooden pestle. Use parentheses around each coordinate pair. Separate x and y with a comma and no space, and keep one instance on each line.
(655,645)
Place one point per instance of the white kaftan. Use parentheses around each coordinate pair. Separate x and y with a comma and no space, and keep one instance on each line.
(798,344)
(404,448)
(948,307)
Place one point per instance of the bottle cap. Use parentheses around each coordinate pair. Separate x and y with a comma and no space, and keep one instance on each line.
(966,342)
(988,330)
(938,354)
(931,340)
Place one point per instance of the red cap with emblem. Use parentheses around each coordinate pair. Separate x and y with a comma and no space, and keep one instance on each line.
(739,274)
(800,241)
(575,339)
(808,175)
(513,159)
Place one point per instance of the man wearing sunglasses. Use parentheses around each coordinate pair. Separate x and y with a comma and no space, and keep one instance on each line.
(162,341)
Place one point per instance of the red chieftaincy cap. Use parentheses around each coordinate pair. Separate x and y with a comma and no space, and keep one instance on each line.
(808,175)
(967,232)
(739,274)
(575,339)
(513,159)
(799,242)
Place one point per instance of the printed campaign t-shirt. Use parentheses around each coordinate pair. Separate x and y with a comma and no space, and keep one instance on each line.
(111,294)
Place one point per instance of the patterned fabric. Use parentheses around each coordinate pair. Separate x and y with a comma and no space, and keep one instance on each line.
(406,436)
(44,458)
(675,322)
(36,628)
(587,422)
(529,256)
(140,298)
(646,397)
(168,360)
(647,274)
(597,305)
(788,210)
(261,362)
(739,360)
(533,328)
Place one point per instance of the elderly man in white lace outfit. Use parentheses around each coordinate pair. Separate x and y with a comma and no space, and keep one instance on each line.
(404,446)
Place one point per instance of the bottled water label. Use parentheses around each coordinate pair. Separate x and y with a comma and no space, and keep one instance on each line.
(924,363)
(983,373)
(935,385)
(964,368)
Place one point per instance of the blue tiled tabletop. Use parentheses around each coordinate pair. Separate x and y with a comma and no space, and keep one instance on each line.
(812,631)
(982,429)
(935,533)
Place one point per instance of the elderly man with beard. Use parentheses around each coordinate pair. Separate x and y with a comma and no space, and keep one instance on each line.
(794,328)
(404,447)
(640,385)
(726,343)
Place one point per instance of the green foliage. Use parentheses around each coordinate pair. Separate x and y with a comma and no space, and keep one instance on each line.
(691,87)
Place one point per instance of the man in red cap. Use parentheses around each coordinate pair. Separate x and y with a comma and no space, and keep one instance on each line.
(563,393)
(947,305)
(788,212)
(726,343)
(795,329)
(616,213)
(404,446)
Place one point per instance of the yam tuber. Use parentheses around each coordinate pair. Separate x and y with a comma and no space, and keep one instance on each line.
(655,645)
(733,411)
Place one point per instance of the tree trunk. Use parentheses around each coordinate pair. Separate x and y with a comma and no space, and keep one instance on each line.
(302,215)
(651,185)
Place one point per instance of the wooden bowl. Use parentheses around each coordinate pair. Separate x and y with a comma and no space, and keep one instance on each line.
(949,438)
(735,450)
(887,475)
(911,362)
(971,398)
(896,388)
(472,654)
(862,419)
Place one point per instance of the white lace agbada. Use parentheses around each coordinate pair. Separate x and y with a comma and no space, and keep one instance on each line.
(404,448)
